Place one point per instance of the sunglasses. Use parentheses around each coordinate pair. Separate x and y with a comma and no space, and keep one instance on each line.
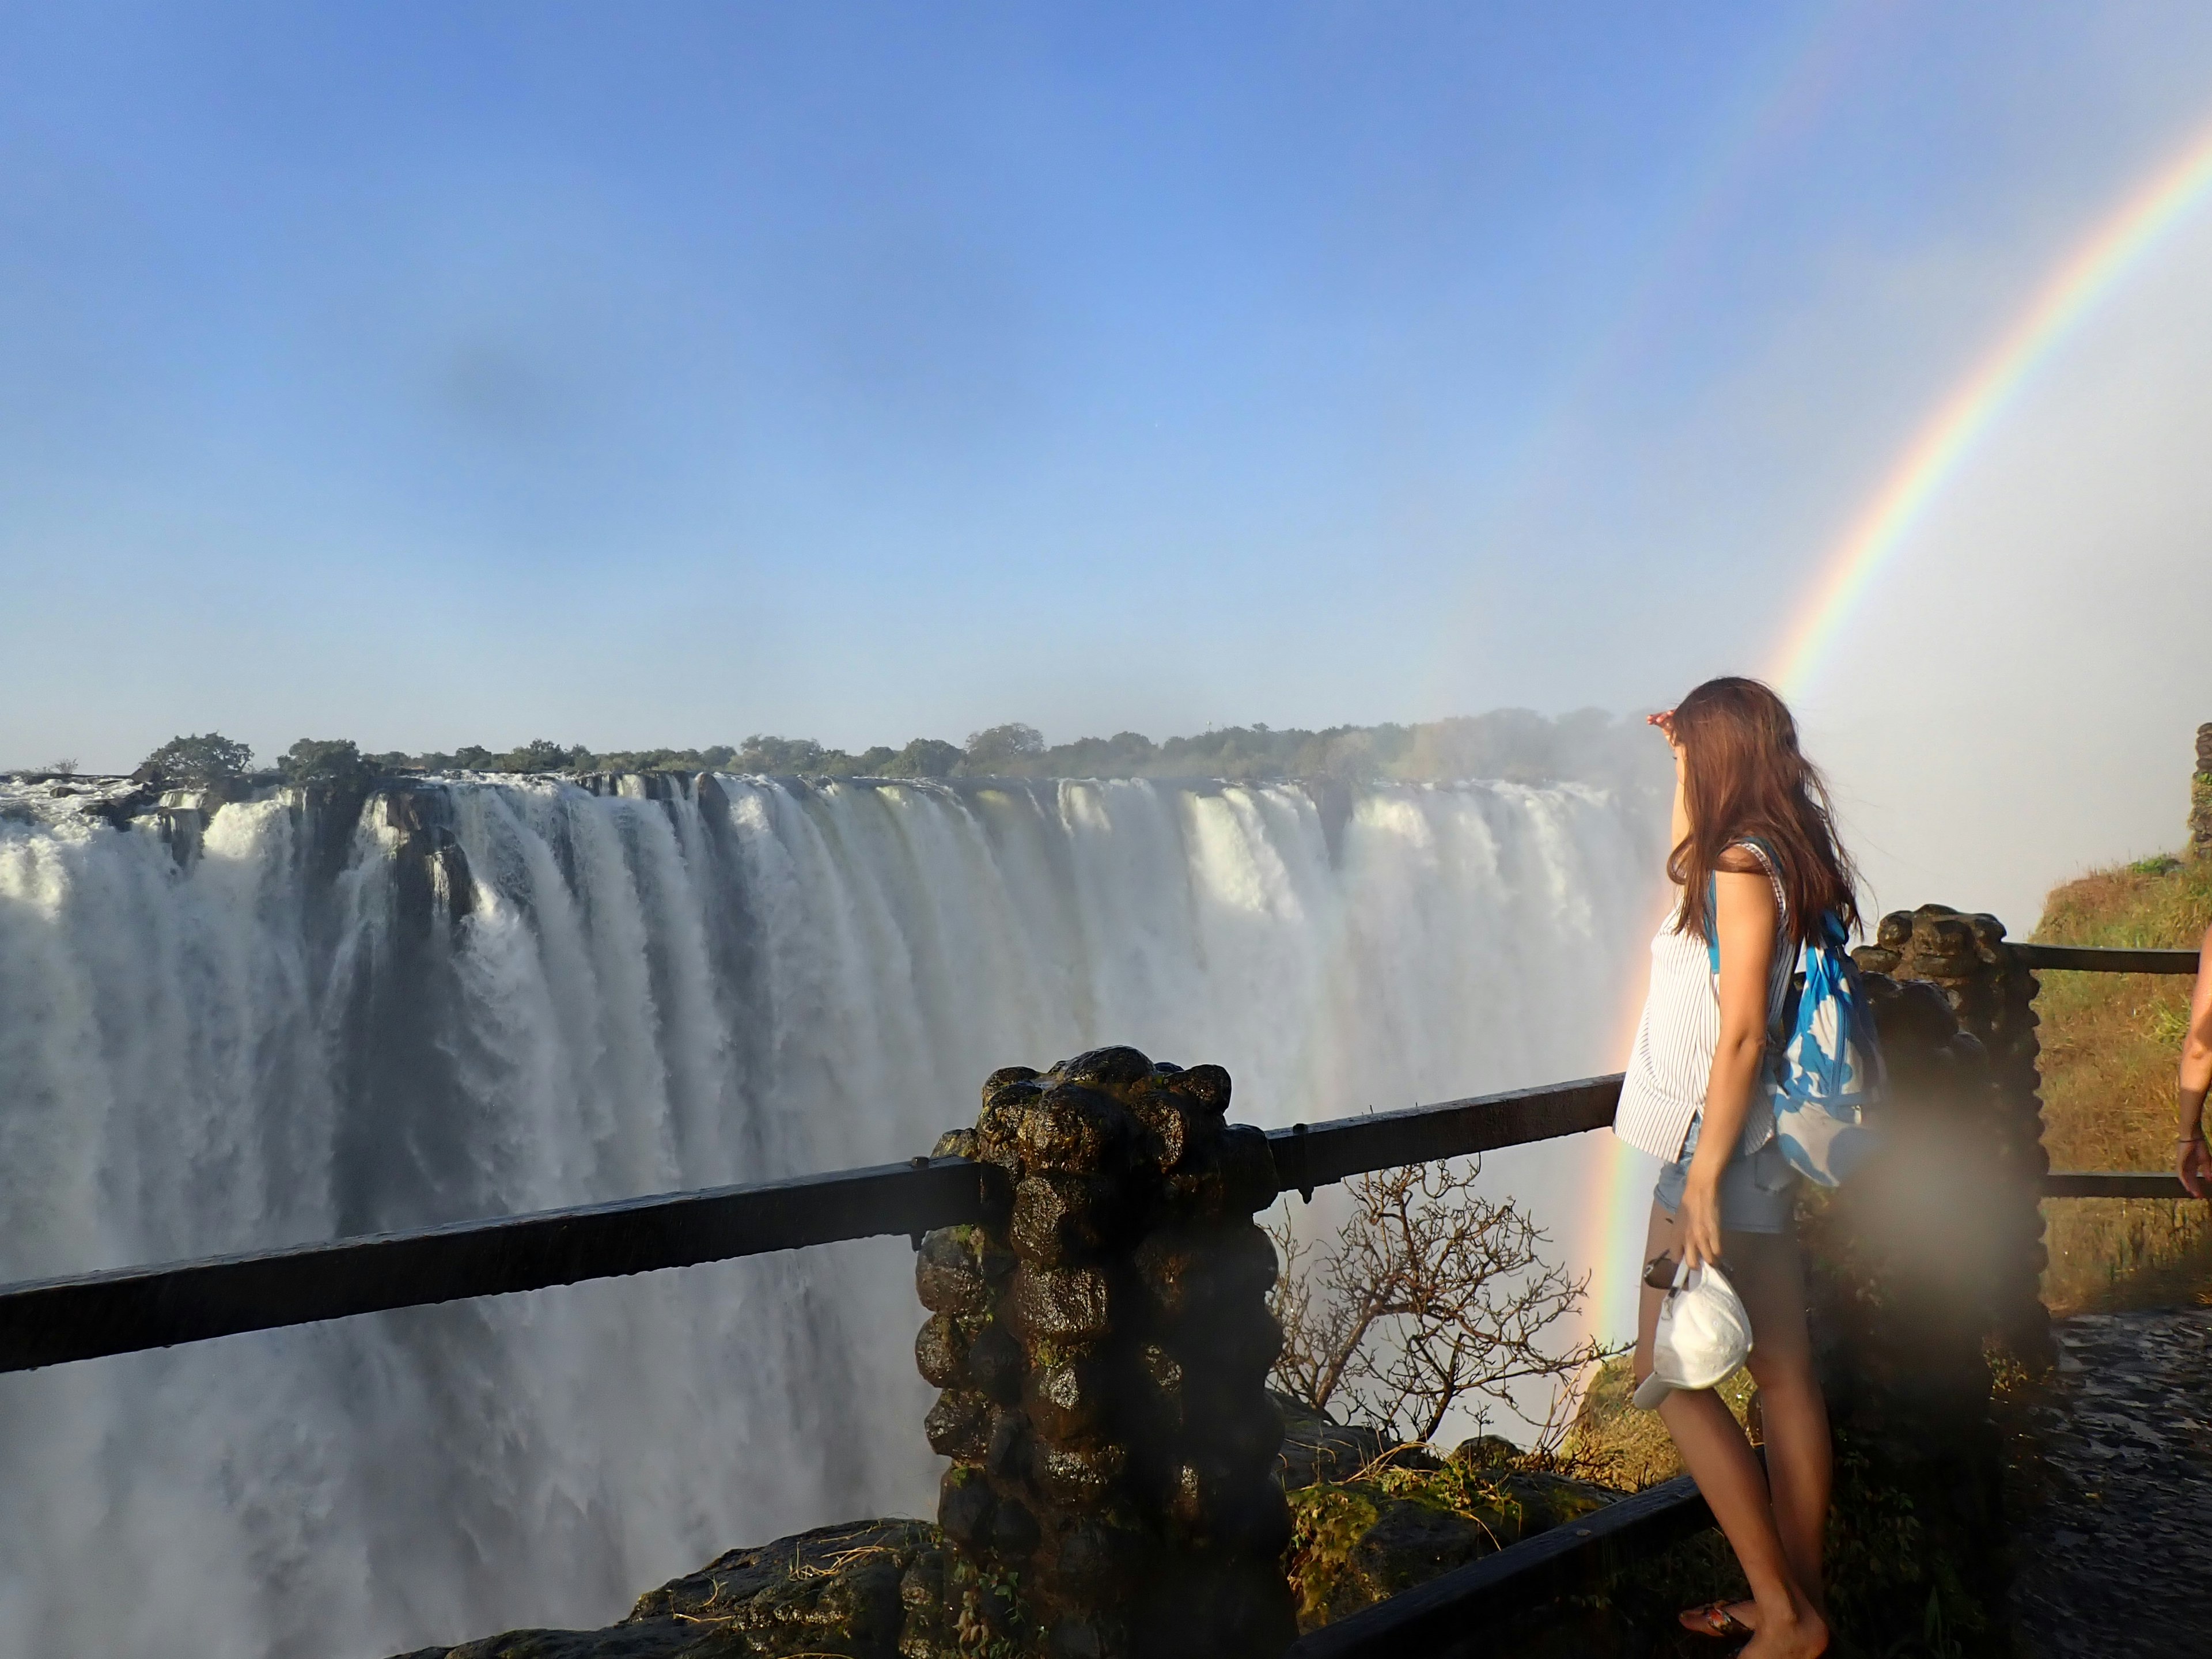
(1659,1272)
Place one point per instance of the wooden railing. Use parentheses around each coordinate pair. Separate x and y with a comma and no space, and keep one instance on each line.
(2100,959)
(55,1321)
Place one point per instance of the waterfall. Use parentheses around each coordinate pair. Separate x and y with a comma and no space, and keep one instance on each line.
(297,1017)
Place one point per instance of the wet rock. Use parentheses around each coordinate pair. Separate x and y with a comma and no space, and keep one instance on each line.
(1315,1447)
(1358,1542)
(2113,1557)
(940,1352)
(959,1426)
(948,1276)
(845,1592)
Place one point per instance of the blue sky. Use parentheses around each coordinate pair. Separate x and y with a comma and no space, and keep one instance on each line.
(443,374)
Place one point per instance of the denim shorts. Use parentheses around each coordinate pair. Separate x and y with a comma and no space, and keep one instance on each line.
(1758,1189)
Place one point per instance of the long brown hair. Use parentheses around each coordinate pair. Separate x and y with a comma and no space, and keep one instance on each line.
(1744,777)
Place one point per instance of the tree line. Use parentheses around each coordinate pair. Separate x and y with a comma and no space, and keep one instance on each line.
(1516,745)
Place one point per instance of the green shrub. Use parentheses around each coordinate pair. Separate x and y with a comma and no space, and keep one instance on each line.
(208,758)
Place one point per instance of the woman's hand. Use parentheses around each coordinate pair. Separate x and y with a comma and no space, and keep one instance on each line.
(1664,719)
(1700,1220)
(2193,1163)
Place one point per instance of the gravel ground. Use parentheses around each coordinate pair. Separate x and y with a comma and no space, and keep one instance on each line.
(2118,1559)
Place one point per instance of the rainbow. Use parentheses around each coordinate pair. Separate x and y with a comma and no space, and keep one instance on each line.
(1949,437)
(1621,1182)
(1620,1188)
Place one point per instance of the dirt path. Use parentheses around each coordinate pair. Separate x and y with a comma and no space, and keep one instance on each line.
(2118,1559)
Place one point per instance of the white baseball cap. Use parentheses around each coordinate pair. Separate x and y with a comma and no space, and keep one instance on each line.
(1704,1334)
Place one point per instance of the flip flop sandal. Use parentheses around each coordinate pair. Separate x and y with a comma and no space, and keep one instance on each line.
(1714,1618)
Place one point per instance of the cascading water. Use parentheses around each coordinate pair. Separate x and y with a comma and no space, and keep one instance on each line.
(465,997)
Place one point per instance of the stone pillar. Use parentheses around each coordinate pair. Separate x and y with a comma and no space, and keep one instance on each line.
(1903,1264)
(2200,797)
(1102,1345)
(1992,998)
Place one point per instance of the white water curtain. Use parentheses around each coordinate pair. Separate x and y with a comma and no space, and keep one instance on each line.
(265,1043)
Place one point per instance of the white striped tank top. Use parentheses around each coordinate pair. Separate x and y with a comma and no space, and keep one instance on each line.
(1680,1032)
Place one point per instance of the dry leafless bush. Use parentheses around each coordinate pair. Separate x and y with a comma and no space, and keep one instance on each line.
(1430,1297)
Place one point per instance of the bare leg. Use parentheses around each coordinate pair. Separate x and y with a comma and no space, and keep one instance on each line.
(1769,1277)
(1786,1617)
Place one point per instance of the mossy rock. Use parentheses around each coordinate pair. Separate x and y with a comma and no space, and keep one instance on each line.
(1316,1446)
(832,1593)
(1353,1543)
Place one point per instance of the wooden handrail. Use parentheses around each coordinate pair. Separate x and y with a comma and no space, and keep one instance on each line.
(84,1316)
(2104,959)
(2112,1183)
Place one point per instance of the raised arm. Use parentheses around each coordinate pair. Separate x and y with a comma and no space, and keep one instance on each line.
(2190,1158)
(1743,900)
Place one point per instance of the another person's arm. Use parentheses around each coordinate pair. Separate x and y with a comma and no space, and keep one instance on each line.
(2190,1158)
(1744,924)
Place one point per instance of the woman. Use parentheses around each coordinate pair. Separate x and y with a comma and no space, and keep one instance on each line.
(2196,1081)
(1756,858)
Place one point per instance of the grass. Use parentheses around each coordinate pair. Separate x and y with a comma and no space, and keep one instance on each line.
(1619,1444)
(2110,1043)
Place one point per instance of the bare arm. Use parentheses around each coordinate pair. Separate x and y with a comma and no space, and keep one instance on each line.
(1744,924)
(2191,1158)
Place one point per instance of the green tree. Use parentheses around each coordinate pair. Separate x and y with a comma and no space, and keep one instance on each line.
(1012,748)
(540,755)
(781,756)
(333,761)
(925,757)
(1125,754)
(208,758)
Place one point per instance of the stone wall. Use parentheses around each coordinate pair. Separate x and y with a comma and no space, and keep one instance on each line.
(1991,1139)
(1906,1272)
(2200,796)
(1103,1344)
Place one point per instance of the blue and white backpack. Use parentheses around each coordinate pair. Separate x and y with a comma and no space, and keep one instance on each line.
(1823,1058)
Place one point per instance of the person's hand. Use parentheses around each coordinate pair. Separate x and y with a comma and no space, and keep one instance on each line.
(1700,1220)
(1664,719)
(2193,1163)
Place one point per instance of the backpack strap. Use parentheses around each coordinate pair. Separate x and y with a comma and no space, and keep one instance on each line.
(1782,973)
(1758,848)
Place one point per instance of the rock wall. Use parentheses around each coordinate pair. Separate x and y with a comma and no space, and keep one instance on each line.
(1900,1278)
(1102,1345)
(1994,1138)
(1928,1255)
(2200,796)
